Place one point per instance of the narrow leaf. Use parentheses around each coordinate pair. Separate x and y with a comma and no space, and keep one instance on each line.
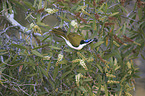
(100,68)
(55,73)
(40,46)
(65,74)
(114,14)
(82,89)
(123,9)
(140,13)
(98,44)
(14,59)
(18,46)
(36,53)
(106,90)
(44,72)
(124,28)
(57,48)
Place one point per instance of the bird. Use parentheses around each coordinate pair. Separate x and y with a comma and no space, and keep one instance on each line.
(74,40)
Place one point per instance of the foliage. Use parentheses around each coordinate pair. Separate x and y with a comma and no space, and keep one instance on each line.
(43,64)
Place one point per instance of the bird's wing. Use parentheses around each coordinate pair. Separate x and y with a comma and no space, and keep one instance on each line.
(75,39)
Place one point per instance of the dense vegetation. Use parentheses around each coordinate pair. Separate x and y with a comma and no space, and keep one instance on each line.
(35,62)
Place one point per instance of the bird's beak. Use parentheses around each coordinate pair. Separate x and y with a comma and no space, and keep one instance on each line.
(95,40)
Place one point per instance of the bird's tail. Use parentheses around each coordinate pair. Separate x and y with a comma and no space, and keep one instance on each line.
(59,32)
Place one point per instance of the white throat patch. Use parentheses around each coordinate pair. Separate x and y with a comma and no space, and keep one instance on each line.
(77,48)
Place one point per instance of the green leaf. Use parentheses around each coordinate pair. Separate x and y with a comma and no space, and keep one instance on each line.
(48,66)
(14,59)
(55,73)
(7,60)
(123,79)
(67,20)
(65,74)
(40,4)
(3,50)
(101,7)
(31,75)
(63,62)
(118,30)
(88,79)
(135,6)
(123,9)
(114,14)
(99,90)
(106,90)
(28,4)
(42,24)
(44,72)
(106,8)
(82,89)
(40,46)
(28,15)
(100,68)
(4,53)
(142,56)
(117,54)
(132,18)
(97,44)
(9,7)
(18,46)
(124,28)
(40,74)
(140,13)
(57,48)
(75,6)
(68,50)
(36,53)
(94,25)
(120,93)
(45,38)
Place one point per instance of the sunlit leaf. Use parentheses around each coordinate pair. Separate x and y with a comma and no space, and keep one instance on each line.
(114,14)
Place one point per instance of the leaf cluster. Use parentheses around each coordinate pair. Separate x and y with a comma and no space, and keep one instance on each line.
(44,65)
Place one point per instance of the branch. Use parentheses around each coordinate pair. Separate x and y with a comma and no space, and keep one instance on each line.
(10,18)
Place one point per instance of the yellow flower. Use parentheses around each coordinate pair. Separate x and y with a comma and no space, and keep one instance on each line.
(78,78)
(60,56)
(83,64)
(51,11)
(46,58)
